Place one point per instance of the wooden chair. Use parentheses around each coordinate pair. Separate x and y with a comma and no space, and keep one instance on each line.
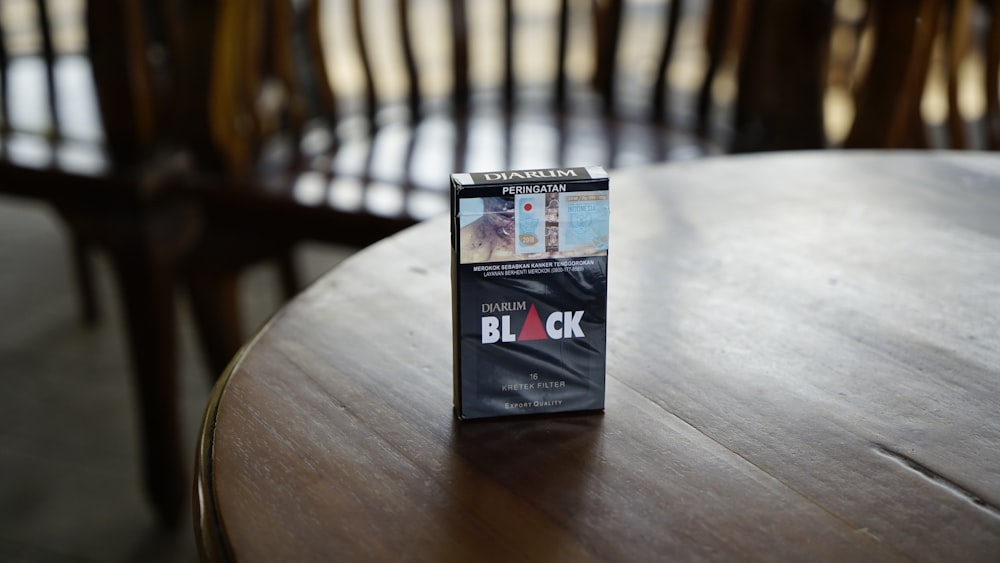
(81,131)
(782,75)
(888,100)
(908,59)
(992,76)
(904,53)
(970,29)
(341,121)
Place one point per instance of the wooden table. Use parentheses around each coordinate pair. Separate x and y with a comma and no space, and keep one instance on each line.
(803,364)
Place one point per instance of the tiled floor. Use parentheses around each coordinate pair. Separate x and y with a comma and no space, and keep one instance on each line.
(69,475)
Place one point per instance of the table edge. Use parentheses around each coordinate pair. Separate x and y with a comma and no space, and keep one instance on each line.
(213,542)
(209,529)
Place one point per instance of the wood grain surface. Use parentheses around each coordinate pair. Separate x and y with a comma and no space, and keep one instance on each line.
(803,364)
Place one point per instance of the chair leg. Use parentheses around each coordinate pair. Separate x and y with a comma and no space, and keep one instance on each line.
(84,280)
(147,290)
(290,281)
(215,307)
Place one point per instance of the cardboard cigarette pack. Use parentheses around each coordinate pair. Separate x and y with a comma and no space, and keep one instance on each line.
(529,290)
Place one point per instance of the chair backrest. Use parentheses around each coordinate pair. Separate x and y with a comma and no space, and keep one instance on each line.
(783,76)
(39,63)
(968,64)
(80,88)
(888,99)
(930,79)
(122,57)
(387,74)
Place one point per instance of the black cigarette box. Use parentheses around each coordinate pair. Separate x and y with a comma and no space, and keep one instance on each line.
(529,291)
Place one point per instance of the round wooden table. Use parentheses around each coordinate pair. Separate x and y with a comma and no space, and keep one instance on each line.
(803,364)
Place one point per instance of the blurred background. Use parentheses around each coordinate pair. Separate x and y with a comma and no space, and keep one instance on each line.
(171,171)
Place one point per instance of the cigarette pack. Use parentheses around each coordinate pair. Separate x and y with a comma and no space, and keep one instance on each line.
(529,291)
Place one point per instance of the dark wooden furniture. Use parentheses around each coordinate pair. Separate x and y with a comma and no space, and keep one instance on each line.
(916,47)
(888,101)
(802,365)
(340,122)
(82,129)
(783,76)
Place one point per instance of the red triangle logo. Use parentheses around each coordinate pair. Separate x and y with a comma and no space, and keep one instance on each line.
(532,329)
